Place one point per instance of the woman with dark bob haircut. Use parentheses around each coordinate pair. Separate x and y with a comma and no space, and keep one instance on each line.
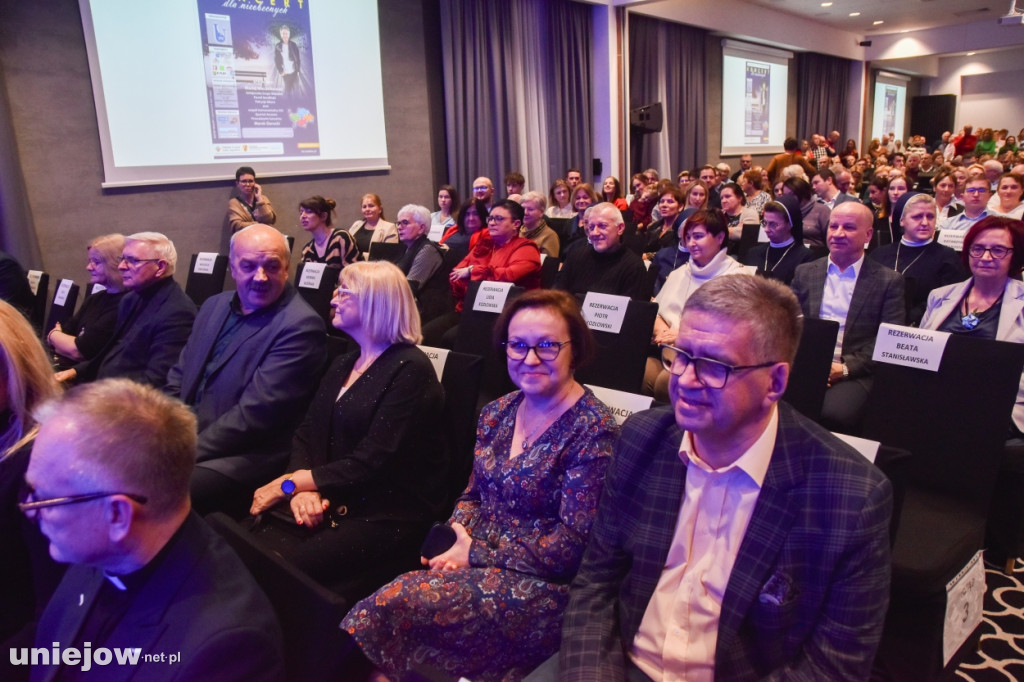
(490,606)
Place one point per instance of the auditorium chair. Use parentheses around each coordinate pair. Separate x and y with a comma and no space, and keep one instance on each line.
(202,285)
(392,253)
(954,422)
(65,297)
(39,282)
(620,359)
(318,291)
(476,328)
(808,378)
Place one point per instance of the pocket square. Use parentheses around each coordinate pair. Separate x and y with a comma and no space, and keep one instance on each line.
(777,591)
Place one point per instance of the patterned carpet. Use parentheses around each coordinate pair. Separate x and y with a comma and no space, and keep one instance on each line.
(1001,658)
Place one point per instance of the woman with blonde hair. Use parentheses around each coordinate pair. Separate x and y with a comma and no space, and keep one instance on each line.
(367,473)
(83,335)
(26,381)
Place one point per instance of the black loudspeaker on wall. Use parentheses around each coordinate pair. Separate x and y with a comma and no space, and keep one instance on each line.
(932,115)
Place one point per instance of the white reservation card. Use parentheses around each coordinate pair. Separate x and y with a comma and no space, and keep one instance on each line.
(312,273)
(204,263)
(965,597)
(438,358)
(605,312)
(621,403)
(954,239)
(61,297)
(910,346)
(491,296)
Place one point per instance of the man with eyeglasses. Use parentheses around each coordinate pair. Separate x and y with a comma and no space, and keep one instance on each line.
(483,190)
(108,483)
(603,265)
(977,192)
(245,372)
(153,319)
(860,294)
(735,538)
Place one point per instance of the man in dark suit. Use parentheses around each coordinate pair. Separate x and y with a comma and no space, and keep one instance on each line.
(735,540)
(149,580)
(858,293)
(153,319)
(248,371)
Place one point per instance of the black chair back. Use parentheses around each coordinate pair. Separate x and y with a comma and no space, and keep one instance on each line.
(65,297)
(808,378)
(202,285)
(748,239)
(392,253)
(476,328)
(39,282)
(548,272)
(621,358)
(314,647)
(318,291)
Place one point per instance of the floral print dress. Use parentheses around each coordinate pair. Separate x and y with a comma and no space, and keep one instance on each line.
(529,518)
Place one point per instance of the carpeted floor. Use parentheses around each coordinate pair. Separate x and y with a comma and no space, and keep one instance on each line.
(1001,658)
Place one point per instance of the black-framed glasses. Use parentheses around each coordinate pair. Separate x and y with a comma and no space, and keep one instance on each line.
(136,262)
(976,190)
(998,252)
(710,373)
(28,503)
(545,350)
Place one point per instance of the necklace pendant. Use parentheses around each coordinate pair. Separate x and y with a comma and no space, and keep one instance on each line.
(526,445)
(969,321)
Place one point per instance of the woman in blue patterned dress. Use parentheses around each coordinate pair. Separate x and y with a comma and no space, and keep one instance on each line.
(491,606)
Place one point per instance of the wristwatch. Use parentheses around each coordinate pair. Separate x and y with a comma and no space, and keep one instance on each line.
(846,375)
(288,486)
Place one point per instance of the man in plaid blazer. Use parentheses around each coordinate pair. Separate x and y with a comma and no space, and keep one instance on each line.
(805,587)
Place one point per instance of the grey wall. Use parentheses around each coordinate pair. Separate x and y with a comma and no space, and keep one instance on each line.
(46,72)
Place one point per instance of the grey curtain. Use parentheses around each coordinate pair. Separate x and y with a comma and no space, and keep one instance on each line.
(517,80)
(17,232)
(823,84)
(667,64)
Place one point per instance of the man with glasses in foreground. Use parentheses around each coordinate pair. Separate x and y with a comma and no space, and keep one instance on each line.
(150,584)
(977,193)
(153,320)
(735,539)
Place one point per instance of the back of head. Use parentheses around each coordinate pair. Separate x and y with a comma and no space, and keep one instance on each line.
(769,307)
(387,308)
(790,144)
(800,187)
(131,438)
(162,247)
(25,376)
(535,197)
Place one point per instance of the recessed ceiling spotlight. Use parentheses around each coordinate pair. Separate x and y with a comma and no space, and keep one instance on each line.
(826,4)
(971,54)
(906,30)
(854,14)
(876,23)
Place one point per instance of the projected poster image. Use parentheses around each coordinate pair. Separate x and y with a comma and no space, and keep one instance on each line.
(259,79)
(889,117)
(757,114)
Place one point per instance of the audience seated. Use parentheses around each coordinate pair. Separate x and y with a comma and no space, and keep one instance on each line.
(423,263)
(611,191)
(559,200)
(535,227)
(785,250)
(858,293)
(490,606)
(924,262)
(153,320)
(1007,201)
(248,204)
(483,190)
(736,212)
(815,214)
(84,334)
(603,265)
(976,196)
(664,232)
(448,206)
(472,219)
(583,197)
(330,246)
(368,463)
(248,371)
(373,227)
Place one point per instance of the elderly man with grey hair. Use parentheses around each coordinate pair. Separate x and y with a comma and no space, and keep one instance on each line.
(153,319)
(107,483)
(248,372)
(603,265)
(423,263)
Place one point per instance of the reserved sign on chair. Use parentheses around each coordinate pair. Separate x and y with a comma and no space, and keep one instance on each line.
(910,346)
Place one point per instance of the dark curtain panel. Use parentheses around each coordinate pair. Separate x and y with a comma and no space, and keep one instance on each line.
(667,64)
(823,85)
(17,232)
(517,89)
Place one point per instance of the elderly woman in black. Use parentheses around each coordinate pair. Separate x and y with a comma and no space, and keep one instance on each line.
(423,263)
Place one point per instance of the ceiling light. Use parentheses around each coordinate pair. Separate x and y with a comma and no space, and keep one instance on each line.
(854,14)
(906,30)
(971,54)
(826,4)
(876,23)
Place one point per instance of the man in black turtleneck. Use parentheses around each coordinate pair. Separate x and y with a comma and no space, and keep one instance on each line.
(606,267)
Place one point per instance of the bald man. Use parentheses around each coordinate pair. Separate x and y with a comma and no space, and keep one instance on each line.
(248,371)
(858,293)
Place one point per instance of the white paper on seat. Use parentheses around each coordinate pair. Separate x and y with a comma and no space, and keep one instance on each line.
(910,346)
(438,358)
(868,448)
(61,297)
(621,403)
(605,312)
(965,597)
(204,263)
(954,239)
(762,236)
(436,232)
(33,280)
(97,288)
(490,298)
(312,274)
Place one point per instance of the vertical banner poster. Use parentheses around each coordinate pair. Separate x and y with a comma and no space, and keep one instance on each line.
(756,116)
(889,120)
(259,78)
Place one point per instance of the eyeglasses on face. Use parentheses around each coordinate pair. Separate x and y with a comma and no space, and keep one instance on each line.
(710,373)
(28,503)
(998,252)
(136,262)
(545,350)
(976,190)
